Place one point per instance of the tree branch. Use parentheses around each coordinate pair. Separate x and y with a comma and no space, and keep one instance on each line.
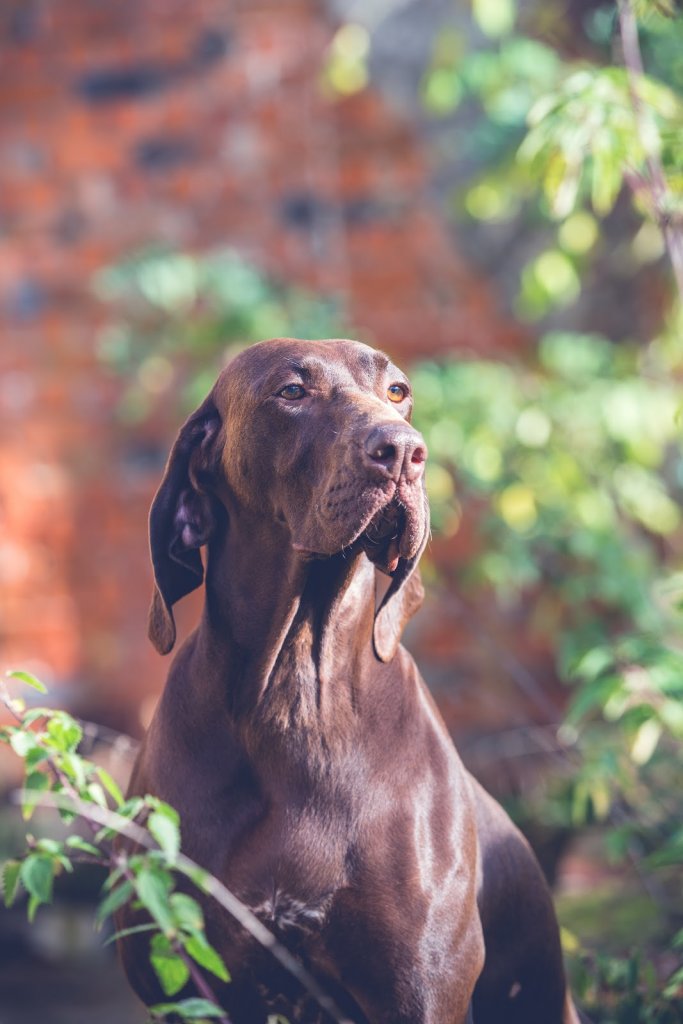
(655,184)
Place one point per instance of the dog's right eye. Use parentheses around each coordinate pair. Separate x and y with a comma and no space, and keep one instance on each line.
(292,392)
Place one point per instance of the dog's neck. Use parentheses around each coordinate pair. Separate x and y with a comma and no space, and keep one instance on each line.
(287,631)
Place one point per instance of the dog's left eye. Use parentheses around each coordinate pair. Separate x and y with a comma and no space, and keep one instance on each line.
(396,392)
(293,392)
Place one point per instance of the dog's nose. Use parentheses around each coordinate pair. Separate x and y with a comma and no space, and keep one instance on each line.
(397,450)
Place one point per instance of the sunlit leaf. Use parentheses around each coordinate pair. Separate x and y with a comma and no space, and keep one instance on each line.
(645,741)
(170,968)
(22,742)
(28,678)
(207,957)
(64,732)
(111,786)
(153,888)
(35,782)
(187,912)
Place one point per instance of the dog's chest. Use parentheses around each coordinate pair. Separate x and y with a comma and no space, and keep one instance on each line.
(283,911)
(307,866)
(297,862)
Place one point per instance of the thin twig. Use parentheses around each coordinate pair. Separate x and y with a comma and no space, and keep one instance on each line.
(655,184)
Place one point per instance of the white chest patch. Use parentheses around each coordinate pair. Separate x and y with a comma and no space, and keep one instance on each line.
(283,911)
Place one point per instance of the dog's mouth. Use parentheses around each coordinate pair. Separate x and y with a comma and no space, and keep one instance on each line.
(392,529)
(385,537)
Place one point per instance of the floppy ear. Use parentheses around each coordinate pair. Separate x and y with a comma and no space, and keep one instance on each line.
(401,601)
(181,520)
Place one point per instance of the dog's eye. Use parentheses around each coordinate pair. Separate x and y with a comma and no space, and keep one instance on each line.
(396,392)
(293,392)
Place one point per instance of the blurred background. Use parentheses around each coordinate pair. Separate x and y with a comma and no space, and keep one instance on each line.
(177,181)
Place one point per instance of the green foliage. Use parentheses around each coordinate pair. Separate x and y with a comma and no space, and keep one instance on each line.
(553,136)
(624,990)
(577,462)
(180,316)
(568,472)
(144,873)
(568,476)
(585,137)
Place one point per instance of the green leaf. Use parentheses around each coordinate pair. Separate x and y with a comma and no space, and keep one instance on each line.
(674,984)
(22,742)
(114,900)
(131,808)
(38,755)
(113,877)
(37,875)
(156,804)
(593,695)
(33,905)
(36,782)
(645,741)
(10,880)
(561,184)
(76,843)
(76,769)
(111,786)
(166,833)
(607,177)
(170,968)
(34,714)
(190,1009)
(593,663)
(29,679)
(96,794)
(64,732)
(153,889)
(206,956)
(51,846)
(125,932)
(187,912)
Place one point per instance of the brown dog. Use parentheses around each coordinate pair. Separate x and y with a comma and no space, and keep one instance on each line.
(311,769)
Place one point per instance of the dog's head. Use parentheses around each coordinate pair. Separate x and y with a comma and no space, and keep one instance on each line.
(314,437)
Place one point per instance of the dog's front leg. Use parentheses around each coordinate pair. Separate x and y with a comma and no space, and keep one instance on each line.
(400,968)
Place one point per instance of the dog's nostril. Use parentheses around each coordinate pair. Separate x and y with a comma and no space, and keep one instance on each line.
(383,453)
(419,455)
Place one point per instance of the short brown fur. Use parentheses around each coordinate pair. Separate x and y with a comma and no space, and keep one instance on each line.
(312,771)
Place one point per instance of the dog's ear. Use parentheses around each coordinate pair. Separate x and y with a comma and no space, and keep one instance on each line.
(181,520)
(403,598)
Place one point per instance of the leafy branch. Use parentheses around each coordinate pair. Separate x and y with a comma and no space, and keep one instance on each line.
(603,127)
(661,199)
(142,873)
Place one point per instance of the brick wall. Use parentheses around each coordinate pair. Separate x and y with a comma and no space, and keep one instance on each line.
(196,125)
